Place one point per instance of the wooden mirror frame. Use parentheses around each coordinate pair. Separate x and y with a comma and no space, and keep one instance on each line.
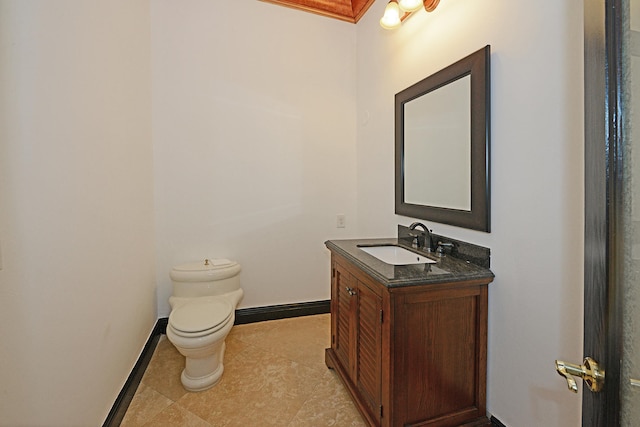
(476,65)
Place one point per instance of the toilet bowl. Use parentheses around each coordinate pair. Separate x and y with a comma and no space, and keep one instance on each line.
(205,296)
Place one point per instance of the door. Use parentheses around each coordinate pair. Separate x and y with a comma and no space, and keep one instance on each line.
(630,371)
(612,210)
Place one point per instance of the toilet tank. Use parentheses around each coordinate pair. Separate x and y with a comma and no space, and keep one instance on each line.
(205,278)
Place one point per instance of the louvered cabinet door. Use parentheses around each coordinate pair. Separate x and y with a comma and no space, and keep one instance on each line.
(369,349)
(344,300)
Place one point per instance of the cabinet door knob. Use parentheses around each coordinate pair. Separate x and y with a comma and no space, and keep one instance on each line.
(350,291)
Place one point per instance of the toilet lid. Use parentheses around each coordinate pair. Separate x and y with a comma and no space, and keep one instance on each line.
(197,316)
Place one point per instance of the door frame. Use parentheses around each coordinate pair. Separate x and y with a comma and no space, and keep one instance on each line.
(604,166)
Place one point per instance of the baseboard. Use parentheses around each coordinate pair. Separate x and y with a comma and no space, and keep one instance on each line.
(243,315)
(496,423)
(123,400)
(284,311)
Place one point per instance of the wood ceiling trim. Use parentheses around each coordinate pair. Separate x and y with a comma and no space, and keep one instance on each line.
(344,10)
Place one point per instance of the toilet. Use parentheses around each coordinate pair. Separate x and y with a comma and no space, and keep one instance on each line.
(205,296)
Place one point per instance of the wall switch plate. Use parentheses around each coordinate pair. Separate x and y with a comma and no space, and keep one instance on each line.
(341,221)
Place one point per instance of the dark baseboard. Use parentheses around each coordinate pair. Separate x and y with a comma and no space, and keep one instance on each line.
(162,325)
(243,315)
(123,400)
(270,312)
(496,423)
(275,312)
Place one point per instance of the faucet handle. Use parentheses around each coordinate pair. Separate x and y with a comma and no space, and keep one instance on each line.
(440,251)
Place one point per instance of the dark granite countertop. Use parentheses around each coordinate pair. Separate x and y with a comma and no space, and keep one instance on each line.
(446,269)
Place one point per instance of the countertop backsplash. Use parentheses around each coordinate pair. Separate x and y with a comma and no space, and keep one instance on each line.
(475,254)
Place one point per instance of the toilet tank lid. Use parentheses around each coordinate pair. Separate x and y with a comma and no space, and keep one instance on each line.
(207,264)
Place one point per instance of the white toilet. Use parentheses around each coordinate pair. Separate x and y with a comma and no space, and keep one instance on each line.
(205,296)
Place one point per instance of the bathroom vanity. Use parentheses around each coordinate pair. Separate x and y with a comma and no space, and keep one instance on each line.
(409,342)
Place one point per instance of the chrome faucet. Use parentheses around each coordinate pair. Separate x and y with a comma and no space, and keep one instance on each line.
(426,243)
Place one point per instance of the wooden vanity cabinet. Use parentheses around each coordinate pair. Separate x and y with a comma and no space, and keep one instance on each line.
(412,355)
(357,334)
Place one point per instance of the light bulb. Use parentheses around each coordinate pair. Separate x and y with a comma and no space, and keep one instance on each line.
(410,5)
(391,17)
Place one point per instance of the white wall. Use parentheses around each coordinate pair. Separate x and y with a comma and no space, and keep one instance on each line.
(254,133)
(77,286)
(535,312)
(267,122)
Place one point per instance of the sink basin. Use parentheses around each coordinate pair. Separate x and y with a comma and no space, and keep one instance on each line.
(396,255)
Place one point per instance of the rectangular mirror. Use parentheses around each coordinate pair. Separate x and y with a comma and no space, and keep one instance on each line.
(442,145)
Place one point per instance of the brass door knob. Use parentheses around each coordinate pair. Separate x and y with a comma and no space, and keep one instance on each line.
(590,372)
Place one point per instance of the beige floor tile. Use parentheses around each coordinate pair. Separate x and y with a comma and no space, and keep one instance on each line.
(256,387)
(233,346)
(175,415)
(163,372)
(146,404)
(301,339)
(329,405)
(249,332)
(274,376)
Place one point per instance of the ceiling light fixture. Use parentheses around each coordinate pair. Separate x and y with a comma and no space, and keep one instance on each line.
(410,5)
(391,18)
(398,10)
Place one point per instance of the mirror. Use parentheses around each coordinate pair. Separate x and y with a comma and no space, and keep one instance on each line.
(442,145)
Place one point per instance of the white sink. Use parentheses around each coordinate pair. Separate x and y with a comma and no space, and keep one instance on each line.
(396,255)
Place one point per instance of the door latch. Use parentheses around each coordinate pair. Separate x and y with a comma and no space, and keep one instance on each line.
(590,372)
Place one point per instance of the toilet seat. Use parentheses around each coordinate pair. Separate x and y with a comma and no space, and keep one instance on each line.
(200,317)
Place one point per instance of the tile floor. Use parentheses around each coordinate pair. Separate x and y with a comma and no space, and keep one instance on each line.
(274,376)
